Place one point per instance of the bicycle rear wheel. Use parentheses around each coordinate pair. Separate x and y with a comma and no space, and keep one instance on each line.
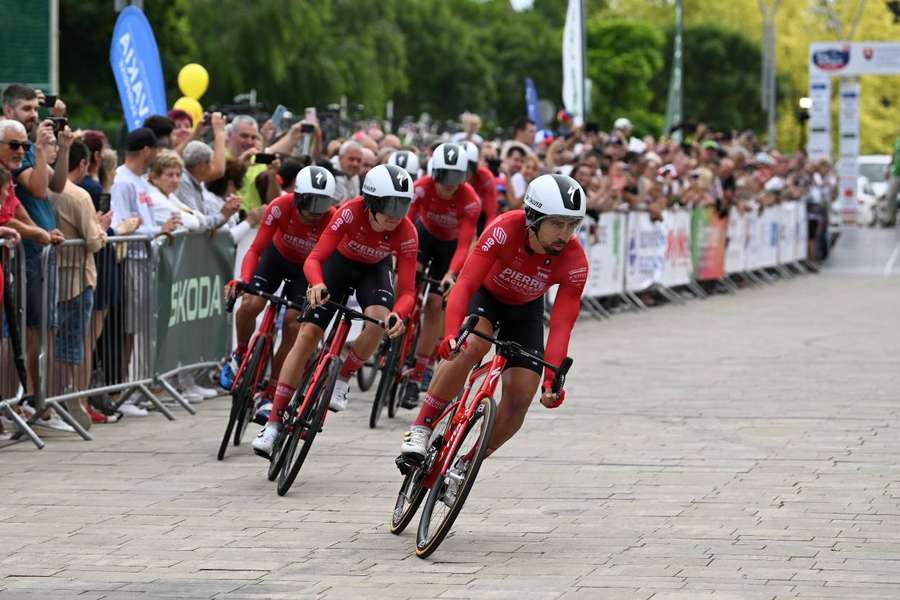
(365,377)
(307,426)
(441,509)
(278,454)
(255,369)
(387,384)
(411,494)
(239,400)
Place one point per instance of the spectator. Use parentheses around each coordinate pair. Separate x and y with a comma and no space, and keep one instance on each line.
(77,274)
(183,131)
(347,165)
(471,123)
(198,158)
(390,142)
(242,136)
(531,168)
(523,135)
(163,178)
(162,127)
(622,126)
(368,162)
(94,140)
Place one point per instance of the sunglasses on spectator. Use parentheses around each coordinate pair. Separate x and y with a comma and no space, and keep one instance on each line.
(15,145)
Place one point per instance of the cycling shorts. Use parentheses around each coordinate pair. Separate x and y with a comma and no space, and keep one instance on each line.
(273,268)
(439,252)
(373,285)
(521,323)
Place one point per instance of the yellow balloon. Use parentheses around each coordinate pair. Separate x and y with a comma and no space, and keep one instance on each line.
(193,80)
(191,107)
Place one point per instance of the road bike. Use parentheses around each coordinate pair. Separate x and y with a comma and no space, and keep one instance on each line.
(251,375)
(305,415)
(444,478)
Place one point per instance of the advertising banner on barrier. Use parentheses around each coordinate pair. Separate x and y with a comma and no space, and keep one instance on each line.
(788,232)
(646,252)
(708,243)
(606,256)
(736,251)
(802,238)
(769,237)
(677,267)
(755,239)
(192,325)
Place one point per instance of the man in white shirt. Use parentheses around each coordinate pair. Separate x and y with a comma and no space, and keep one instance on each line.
(347,165)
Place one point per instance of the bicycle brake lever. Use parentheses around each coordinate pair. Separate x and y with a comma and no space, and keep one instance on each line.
(560,379)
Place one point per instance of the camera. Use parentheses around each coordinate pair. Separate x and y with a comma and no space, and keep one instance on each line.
(49,100)
(59,123)
(262,158)
(103,202)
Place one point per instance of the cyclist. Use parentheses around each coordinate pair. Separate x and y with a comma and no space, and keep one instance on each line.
(514,262)
(354,251)
(406,160)
(289,229)
(482,181)
(445,212)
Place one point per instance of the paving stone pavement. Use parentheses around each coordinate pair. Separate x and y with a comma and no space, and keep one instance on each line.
(741,447)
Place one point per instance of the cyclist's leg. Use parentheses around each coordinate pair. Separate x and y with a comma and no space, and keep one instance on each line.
(294,365)
(440,253)
(245,319)
(270,271)
(289,332)
(375,293)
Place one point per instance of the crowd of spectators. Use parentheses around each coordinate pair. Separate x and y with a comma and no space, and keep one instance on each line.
(58,182)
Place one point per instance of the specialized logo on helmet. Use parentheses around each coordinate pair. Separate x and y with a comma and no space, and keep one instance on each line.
(569,191)
(450,154)
(319,178)
(400,179)
(401,159)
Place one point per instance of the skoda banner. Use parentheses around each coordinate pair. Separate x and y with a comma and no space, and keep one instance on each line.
(134,59)
(192,324)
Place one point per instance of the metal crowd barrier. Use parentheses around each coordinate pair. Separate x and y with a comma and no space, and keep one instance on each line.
(13,377)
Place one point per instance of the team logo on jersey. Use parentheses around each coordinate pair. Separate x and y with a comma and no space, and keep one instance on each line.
(345,217)
(500,235)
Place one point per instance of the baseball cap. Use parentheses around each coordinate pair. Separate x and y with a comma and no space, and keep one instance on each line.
(710,145)
(140,138)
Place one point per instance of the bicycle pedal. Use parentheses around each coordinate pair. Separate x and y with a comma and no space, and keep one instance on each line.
(406,464)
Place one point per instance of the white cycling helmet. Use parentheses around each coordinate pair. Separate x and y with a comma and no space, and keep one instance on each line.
(314,190)
(388,189)
(406,160)
(449,164)
(554,196)
(472,155)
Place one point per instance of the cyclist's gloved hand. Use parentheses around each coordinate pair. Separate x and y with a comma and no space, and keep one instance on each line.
(548,398)
(231,288)
(447,348)
(394,325)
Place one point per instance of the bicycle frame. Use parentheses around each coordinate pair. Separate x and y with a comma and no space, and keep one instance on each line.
(463,411)
(265,331)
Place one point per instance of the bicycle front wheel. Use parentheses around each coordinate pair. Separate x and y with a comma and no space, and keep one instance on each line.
(242,394)
(387,384)
(450,489)
(307,426)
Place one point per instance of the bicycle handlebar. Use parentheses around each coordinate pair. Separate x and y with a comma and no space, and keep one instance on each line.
(468,328)
(246,288)
(355,314)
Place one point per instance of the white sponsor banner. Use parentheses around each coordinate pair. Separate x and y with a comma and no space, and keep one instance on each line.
(755,239)
(818,144)
(646,247)
(677,266)
(854,58)
(573,63)
(787,229)
(768,229)
(801,252)
(606,256)
(849,145)
(736,252)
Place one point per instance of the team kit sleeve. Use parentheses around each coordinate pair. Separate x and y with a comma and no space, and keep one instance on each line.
(471,210)
(339,225)
(489,248)
(407,250)
(488,192)
(566,308)
(263,238)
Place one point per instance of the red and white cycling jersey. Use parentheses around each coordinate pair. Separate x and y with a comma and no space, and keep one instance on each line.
(505,266)
(486,188)
(281,226)
(350,233)
(453,219)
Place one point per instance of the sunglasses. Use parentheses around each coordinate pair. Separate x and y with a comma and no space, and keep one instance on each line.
(15,145)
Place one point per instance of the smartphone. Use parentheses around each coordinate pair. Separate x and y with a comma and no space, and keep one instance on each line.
(309,114)
(262,158)
(206,120)
(103,204)
(307,128)
(59,123)
(278,117)
(49,100)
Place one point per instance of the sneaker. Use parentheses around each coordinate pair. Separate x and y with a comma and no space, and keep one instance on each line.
(229,370)
(76,408)
(52,421)
(454,478)
(191,395)
(415,443)
(265,440)
(204,393)
(341,396)
(96,415)
(263,403)
(410,397)
(130,409)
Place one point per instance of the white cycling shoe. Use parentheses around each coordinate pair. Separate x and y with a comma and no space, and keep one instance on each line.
(265,440)
(415,444)
(341,395)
